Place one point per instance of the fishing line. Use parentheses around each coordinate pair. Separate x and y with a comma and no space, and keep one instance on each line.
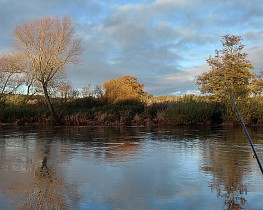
(242,123)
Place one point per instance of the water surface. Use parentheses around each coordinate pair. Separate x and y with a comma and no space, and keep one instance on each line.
(129,168)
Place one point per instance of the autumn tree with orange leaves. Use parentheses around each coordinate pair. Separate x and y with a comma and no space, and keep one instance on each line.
(230,64)
(124,88)
(49,46)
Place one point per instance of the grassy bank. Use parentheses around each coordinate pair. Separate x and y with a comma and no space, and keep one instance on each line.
(93,111)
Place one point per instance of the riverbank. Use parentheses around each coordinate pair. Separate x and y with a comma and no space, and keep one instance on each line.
(93,111)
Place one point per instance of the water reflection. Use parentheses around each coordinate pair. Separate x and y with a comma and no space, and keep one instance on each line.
(228,167)
(128,168)
(47,190)
(231,189)
(228,159)
(29,174)
(226,155)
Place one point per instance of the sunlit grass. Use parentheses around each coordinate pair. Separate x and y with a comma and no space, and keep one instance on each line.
(186,110)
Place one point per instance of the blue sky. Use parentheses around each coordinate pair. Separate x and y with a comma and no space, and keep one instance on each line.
(164,43)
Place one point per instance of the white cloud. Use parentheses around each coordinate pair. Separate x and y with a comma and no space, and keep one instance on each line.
(255,56)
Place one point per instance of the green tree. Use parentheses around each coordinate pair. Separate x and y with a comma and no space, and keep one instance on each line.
(49,45)
(230,64)
(123,88)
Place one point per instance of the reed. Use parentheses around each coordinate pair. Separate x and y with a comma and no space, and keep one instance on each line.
(190,113)
(186,110)
(21,114)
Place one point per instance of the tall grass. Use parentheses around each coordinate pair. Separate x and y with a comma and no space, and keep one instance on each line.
(191,113)
(250,109)
(22,114)
(186,110)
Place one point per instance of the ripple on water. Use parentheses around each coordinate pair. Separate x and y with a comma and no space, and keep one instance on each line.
(132,168)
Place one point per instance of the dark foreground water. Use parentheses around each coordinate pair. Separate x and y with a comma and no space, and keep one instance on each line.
(129,168)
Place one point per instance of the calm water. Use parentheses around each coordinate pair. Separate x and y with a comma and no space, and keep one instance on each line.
(129,168)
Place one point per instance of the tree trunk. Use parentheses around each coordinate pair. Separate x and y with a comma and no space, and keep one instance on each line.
(50,106)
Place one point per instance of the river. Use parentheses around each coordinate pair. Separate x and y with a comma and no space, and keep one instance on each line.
(130,168)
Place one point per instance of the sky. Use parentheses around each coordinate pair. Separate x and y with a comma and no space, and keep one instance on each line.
(164,43)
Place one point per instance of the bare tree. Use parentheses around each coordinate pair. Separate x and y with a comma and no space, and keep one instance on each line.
(49,45)
(86,91)
(65,89)
(11,66)
(97,91)
(74,93)
(30,87)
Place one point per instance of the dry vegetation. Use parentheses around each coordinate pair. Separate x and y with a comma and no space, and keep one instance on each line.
(169,110)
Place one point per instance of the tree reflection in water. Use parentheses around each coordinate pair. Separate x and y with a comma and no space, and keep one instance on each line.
(227,157)
(229,187)
(45,186)
(45,191)
(34,181)
(229,161)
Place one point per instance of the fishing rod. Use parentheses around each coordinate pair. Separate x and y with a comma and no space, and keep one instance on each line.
(242,123)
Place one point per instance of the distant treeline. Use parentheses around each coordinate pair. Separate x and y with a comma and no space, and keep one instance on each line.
(165,110)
